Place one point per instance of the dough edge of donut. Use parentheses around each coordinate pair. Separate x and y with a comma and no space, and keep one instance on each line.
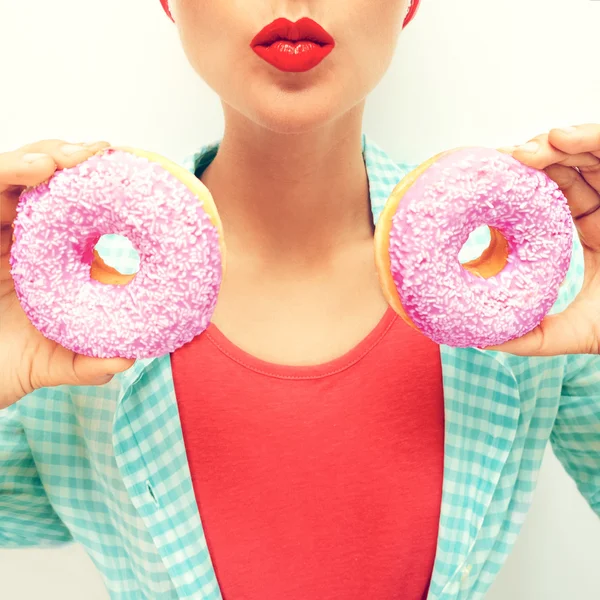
(382,235)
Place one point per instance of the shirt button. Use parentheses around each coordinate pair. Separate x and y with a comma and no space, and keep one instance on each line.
(466,571)
(152,493)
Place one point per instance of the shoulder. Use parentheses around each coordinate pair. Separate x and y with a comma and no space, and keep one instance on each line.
(381,165)
(384,173)
(200,157)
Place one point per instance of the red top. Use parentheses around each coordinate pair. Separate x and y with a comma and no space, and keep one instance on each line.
(317,482)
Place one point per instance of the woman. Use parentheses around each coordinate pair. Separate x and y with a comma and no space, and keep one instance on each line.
(309,445)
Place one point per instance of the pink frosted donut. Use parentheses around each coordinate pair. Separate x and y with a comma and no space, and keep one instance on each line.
(428,218)
(72,297)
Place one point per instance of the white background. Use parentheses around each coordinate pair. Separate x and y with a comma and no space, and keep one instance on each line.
(477,72)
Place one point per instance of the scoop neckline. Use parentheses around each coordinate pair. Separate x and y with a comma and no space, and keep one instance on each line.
(318,371)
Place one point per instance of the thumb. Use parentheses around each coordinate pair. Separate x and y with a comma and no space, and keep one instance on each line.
(97,371)
(565,333)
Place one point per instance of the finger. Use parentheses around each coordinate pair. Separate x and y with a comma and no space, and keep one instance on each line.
(565,333)
(582,199)
(591,174)
(507,149)
(541,161)
(8,206)
(5,241)
(95,146)
(18,170)
(95,371)
(54,146)
(33,164)
(578,139)
(539,153)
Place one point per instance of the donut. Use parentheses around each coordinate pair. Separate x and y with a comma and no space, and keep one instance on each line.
(428,218)
(74,298)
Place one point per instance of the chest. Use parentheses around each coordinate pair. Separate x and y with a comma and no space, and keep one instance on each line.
(314,470)
(383,395)
(300,314)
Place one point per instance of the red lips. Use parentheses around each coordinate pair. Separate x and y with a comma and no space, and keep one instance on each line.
(293,47)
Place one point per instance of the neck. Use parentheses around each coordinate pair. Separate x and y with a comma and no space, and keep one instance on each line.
(291,196)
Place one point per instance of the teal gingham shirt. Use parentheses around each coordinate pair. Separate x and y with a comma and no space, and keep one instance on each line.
(106,466)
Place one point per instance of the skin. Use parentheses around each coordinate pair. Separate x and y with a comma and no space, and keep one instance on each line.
(290,139)
(291,152)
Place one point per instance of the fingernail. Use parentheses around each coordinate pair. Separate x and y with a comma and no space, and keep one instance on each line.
(507,149)
(567,129)
(29,158)
(69,149)
(529,147)
(104,379)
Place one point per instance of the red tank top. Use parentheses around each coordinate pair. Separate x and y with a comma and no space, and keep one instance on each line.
(317,482)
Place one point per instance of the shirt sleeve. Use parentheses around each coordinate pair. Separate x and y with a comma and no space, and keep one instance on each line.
(26,516)
(575,437)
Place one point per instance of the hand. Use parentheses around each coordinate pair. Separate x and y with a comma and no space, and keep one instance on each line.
(27,359)
(572,159)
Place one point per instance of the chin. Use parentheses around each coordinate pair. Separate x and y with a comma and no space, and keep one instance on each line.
(291,122)
(296,111)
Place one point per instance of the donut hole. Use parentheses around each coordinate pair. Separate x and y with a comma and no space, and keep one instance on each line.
(115,260)
(493,256)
